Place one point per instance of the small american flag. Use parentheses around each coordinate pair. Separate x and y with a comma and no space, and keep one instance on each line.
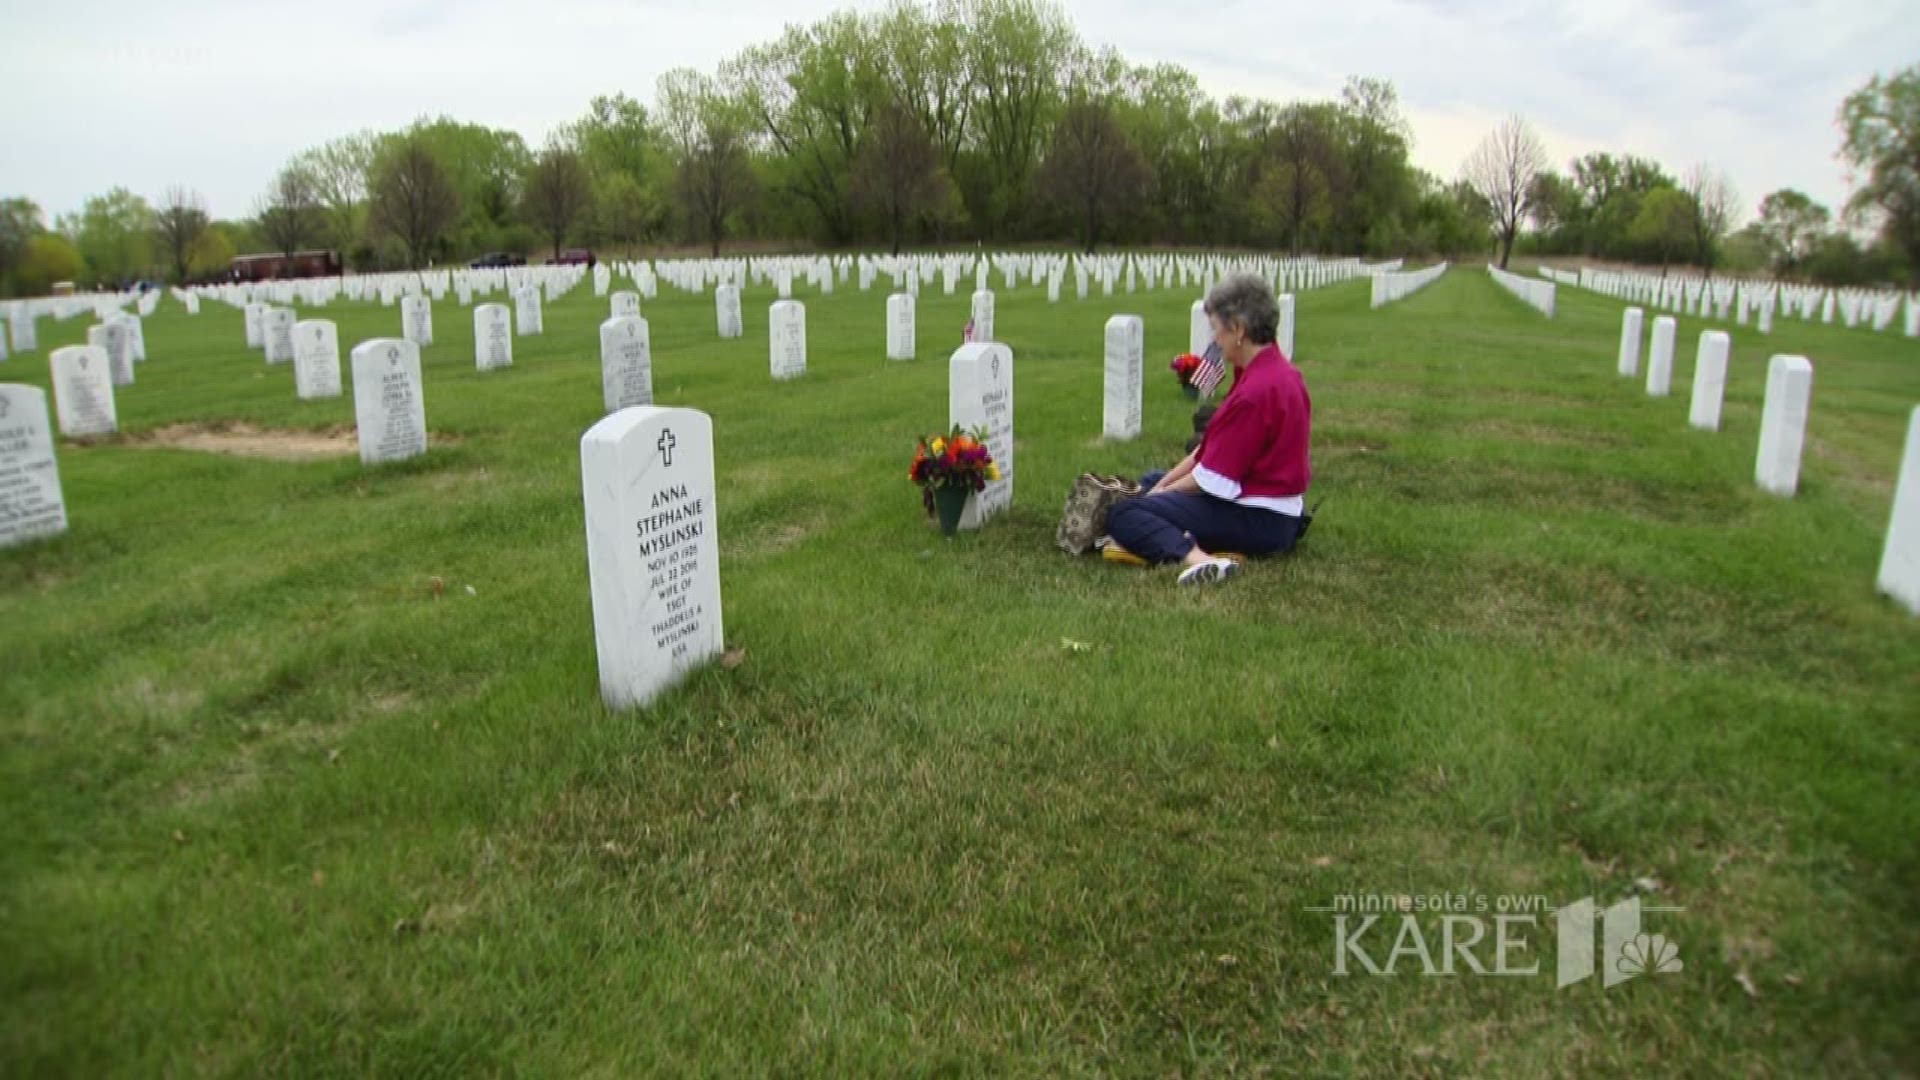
(1212,369)
(967,334)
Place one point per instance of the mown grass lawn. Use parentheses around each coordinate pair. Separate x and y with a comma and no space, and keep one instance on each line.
(275,803)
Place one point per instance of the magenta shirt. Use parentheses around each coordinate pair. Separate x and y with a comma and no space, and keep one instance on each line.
(1258,438)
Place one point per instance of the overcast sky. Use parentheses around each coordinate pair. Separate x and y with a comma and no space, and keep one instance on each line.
(218,95)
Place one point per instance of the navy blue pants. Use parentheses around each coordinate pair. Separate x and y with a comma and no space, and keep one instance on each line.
(1163,528)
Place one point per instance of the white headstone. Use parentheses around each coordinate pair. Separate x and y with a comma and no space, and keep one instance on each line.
(1660,357)
(1765,323)
(626,305)
(726,310)
(387,402)
(526,315)
(256,338)
(980,394)
(31,506)
(1899,575)
(1199,330)
(26,337)
(626,363)
(1125,357)
(787,338)
(83,391)
(983,314)
(653,558)
(136,335)
(1783,424)
(316,359)
(276,328)
(1284,338)
(900,327)
(1709,380)
(1630,323)
(111,338)
(416,320)
(492,337)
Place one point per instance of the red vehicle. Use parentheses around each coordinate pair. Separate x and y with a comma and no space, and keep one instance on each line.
(572,257)
(301,264)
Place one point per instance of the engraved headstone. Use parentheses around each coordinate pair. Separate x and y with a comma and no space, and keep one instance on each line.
(1660,357)
(526,315)
(492,337)
(416,320)
(83,391)
(26,336)
(626,305)
(276,329)
(983,314)
(900,328)
(726,309)
(111,337)
(1199,330)
(626,363)
(316,359)
(1783,424)
(1899,575)
(653,557)
(980,394)
(1125,358)
(787,338)
(1630,323)
(256,337)
(387,402)
(31,505)
(1709,380)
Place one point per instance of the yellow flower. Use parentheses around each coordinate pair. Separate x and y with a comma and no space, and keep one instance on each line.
(939,447)
(993,472)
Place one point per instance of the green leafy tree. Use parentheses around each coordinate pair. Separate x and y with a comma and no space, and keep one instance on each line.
(178,225)
(897,174)
(1016,52)
(413,199)
(340,170)
(713,177)
(113,234)
(289,213)
(1791,223)
(1880,125)
(1664,225)
(1093,171)
(557,194)
(45,259)
(20,221)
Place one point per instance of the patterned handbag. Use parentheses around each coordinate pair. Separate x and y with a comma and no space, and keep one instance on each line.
(1085,518)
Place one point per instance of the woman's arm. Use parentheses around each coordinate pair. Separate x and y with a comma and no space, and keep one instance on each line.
(1178,473)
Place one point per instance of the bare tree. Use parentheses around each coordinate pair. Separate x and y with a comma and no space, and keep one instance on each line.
(1502,171)
(1714,200)
(897,172)
(180,222)
(1092,168)
(557,193)
(412,200)
(290,210)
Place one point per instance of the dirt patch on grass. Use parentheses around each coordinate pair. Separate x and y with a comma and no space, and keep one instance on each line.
(247,440)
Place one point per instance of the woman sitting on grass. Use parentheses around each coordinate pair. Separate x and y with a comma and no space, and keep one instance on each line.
(1243,488)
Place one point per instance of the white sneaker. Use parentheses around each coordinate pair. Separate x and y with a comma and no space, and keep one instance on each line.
(1209,572)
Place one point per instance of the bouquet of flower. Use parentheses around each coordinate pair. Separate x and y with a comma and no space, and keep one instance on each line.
(1187,367)
(957,459)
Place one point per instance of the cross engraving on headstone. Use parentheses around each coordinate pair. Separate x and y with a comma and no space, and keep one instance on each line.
(666,446)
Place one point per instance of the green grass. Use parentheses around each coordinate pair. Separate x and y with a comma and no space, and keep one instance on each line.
(274,807)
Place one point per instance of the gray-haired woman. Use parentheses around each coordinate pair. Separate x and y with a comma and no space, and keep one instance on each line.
(1243,489)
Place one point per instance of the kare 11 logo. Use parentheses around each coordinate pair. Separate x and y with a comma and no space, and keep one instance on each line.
(1462,934)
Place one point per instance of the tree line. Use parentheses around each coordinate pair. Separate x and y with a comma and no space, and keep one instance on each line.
(957,121)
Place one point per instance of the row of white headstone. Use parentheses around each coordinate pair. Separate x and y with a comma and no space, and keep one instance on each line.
(1537,294)
(1783,427)
(1398,285)
(1740,299)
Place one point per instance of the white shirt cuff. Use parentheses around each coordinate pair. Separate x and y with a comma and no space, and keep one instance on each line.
(1214,484)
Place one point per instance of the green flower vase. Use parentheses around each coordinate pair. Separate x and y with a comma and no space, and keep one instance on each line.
(950,501)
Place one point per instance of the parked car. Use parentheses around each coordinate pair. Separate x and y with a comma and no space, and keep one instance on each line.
(497,258)
(572,257)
